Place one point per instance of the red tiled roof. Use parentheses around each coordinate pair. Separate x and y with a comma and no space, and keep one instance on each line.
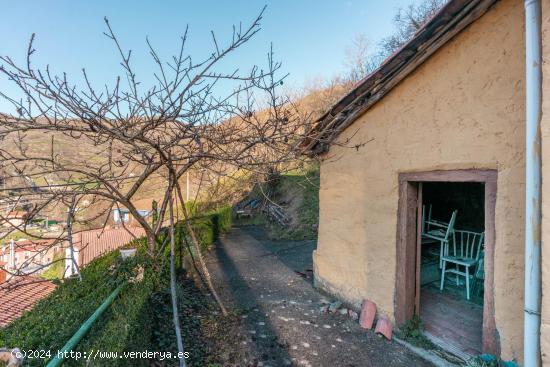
(17,214)
(28,245)
(14,301)
(34,242)
(97,242)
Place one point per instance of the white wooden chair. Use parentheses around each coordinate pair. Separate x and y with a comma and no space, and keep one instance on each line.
(437,231)
(428,222)
(464,255)
(424,225)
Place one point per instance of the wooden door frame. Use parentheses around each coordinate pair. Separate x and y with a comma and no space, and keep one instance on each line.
(407,270)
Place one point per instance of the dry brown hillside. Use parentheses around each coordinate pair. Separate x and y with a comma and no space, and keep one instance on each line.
(218,184)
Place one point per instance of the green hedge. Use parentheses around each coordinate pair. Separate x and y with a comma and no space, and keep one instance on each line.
(209,226)
(55,318)
(127,325)
(130,322)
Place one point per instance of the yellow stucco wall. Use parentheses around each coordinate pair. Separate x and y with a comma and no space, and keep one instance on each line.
(463,108)
(545,131)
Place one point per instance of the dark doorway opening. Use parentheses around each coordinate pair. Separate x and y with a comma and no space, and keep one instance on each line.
(434,196)
(451,264)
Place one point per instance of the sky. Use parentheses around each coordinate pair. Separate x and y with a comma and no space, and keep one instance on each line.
(309,37)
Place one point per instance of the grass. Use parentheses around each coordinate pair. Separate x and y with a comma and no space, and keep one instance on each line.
(299,192)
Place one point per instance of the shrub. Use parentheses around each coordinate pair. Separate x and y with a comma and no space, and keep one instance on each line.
(208,226)
(126,325)
(131,322)
(57,317)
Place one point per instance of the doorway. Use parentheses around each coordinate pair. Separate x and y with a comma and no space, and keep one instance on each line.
(439,213)
(451,264)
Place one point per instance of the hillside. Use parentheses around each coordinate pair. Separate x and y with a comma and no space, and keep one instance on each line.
(297,193)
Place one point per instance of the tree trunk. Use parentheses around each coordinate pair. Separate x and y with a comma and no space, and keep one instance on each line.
(175,316)
(197,246)
(151,242)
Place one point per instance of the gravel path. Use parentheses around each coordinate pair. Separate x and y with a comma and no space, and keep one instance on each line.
(281,321)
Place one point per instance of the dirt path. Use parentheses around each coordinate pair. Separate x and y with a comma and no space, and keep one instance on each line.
(281,321)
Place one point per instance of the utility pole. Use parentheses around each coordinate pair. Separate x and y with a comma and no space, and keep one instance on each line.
(12,254)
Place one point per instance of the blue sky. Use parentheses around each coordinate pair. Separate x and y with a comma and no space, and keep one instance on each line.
(309,37)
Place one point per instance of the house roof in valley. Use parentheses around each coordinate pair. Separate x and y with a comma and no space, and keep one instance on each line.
(27,245)
(94,243)
(20,295)
(17,215)
(450,20)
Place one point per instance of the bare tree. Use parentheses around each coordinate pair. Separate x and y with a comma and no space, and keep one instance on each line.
(360,58)
(131,130)
(408,20)
(198,116)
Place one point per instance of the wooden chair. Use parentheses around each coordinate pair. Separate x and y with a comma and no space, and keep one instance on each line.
(428,222)
(441,233)
(424,226)
(465,254)
(479,275)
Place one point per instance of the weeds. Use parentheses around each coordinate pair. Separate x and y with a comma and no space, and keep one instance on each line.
(413,332)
